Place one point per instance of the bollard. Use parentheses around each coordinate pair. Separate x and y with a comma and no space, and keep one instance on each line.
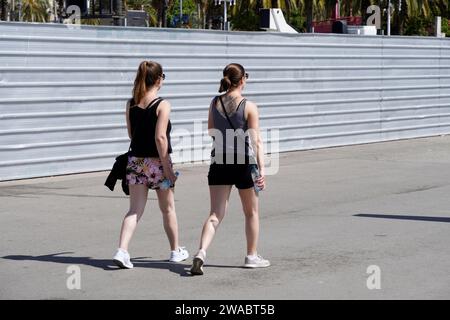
(438,28)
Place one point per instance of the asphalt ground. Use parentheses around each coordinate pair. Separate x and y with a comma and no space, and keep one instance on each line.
(328,217)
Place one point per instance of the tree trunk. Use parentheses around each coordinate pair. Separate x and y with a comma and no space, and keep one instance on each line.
(402,17)
(258,6)
(91,7)
(118,20)
(165,5)
(309,14)
(60,11)
(3,6)
(364,5)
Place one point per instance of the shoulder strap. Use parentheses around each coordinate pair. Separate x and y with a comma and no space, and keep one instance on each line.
(155,101)
(152,103)
(229,121)
(241,103)
(228,118)
(226,114)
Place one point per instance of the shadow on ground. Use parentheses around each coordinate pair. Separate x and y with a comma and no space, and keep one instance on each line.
(107,264)
(404,217)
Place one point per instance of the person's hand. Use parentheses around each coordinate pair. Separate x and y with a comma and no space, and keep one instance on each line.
(170,174)
(261,182)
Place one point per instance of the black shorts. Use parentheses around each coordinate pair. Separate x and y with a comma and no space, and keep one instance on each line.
(230,174)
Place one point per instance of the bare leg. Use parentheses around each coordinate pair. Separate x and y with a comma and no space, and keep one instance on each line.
(138,200)
(250,206)
(219,202)
(167,205)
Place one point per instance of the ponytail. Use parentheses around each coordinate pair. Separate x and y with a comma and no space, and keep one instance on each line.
(146,77)
(225,84)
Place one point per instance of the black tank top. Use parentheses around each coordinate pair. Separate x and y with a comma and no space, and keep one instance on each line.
(143,129)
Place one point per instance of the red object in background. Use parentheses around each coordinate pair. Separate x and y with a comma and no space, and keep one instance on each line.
(337,11)
(326,25)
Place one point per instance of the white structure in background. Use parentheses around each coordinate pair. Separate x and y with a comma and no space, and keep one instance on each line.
(273,20)
(362,30)
(438,22)
(390,11)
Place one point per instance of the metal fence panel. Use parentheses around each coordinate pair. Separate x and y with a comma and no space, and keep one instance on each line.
(63,90)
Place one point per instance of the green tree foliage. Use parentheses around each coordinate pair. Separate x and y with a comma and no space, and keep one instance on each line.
(415,18)
(246,20)
(297,20)
(189,9)
(445,28)
(417,26)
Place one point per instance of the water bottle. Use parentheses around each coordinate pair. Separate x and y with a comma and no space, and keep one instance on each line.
(165,184)
(255,176)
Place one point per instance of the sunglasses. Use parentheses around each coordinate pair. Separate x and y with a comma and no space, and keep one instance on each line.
(246,75)
(163,76)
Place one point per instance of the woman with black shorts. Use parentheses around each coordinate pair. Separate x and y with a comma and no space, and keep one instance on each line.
(233,122)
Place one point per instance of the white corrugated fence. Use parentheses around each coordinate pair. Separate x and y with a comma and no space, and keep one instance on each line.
(63,90)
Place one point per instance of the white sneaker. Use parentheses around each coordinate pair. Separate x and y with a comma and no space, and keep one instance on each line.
(179,255)
(256,262)
(122,259)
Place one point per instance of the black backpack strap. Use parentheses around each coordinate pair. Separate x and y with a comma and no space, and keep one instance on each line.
(226,114)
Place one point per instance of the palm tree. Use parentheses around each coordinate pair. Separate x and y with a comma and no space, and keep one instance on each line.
(364,4)
(204,6)
(161,8)
(145,5)
(309,9)
(60,4)
(3,8)
(287,5)
(92,7)
(35,10)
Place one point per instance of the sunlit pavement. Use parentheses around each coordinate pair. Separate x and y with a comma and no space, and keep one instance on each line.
(357,222)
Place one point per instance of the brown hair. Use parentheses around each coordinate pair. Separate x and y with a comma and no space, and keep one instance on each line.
(232,75)
(147,75)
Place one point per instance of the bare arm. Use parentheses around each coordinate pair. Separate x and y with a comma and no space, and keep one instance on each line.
(127,116)
(162,144)
(252,115)
(210,119)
